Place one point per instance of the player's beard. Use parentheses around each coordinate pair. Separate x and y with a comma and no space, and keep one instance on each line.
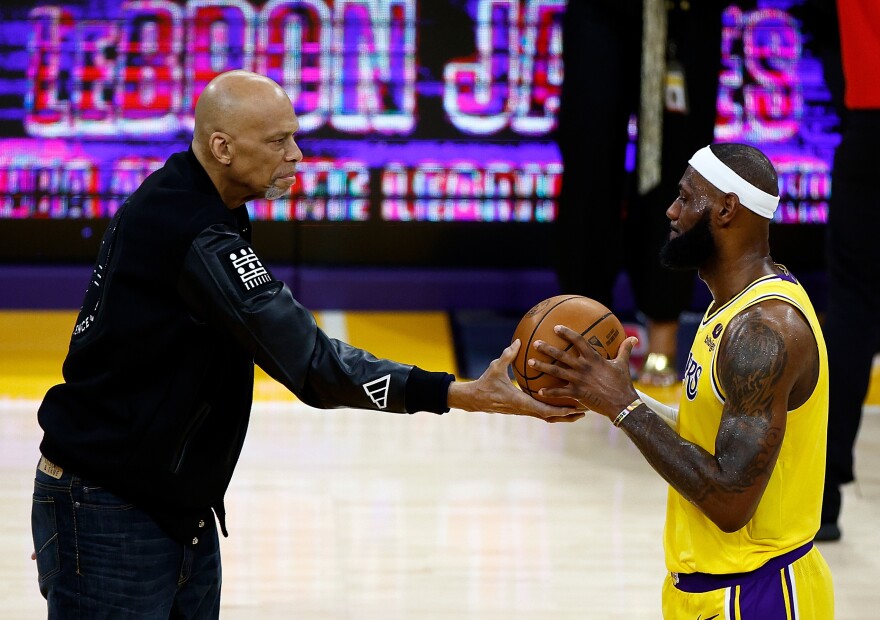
(691,249)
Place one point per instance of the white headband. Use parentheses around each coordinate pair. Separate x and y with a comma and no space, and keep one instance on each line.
(718,174)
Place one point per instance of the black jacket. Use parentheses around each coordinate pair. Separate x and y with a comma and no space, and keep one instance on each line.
(158,380)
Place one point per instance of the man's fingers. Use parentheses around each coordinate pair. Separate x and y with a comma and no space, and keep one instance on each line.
(556,353)
(509,354)
(560,371)
(506,358)
(571,417)
(625,350)
(577,340)
(565,391)
(539,409)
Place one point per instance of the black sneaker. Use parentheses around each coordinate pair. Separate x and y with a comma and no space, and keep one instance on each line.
(828,532)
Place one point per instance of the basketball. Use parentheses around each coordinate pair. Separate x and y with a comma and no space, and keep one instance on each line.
(586,316)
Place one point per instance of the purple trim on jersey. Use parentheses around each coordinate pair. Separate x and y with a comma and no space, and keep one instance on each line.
(706,582)
(786,275)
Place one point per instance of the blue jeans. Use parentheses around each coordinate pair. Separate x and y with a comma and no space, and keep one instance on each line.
(99,556)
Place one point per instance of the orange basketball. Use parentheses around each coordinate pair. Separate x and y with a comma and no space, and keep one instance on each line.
(586,316)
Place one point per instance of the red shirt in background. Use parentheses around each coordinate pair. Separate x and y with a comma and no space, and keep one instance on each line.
(860,46)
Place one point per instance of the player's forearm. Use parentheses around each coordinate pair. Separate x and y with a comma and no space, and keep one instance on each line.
(689,469)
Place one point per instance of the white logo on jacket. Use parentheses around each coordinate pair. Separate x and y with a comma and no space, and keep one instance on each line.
(249,268)
(377,390)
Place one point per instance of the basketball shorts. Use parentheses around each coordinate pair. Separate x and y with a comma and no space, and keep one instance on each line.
(794,586)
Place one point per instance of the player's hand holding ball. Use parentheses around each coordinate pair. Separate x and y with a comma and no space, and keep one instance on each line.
(578,359)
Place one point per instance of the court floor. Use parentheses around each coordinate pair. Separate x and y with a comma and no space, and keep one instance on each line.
(362,515)
(354,515)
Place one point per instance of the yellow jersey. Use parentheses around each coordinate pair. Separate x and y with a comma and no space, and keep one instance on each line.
(789,511)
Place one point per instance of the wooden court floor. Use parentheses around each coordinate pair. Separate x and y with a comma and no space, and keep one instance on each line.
(354,515)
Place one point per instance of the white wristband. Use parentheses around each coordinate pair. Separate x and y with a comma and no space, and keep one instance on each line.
(628,410)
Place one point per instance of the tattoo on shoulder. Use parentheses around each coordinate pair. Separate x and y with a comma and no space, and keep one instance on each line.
(752,363)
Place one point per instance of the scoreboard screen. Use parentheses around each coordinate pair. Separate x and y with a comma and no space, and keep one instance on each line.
(425,125)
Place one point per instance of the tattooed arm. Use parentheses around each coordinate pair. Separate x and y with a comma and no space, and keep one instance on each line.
(768,364)
(760,382)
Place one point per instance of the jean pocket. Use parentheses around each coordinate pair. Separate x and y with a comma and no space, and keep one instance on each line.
(44,529)
(99,498)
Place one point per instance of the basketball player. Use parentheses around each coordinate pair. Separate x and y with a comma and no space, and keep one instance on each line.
(744,454)
(141,439)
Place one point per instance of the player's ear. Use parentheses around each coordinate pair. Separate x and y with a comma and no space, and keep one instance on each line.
(727,210)
(221,147)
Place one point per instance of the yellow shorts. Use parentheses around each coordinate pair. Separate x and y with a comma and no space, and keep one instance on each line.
(779,590)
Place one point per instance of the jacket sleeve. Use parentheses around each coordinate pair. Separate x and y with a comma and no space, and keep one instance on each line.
(226,285)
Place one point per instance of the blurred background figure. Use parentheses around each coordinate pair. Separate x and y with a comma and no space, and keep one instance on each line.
(601,206)
(851,327)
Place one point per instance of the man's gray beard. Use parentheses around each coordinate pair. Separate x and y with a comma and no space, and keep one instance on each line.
(273,193)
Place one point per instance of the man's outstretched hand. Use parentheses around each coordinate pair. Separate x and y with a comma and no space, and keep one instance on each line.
(494,392)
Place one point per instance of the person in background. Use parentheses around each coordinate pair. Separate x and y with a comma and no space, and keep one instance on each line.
(609,78)
(142,437)
(744,452)
(853,254)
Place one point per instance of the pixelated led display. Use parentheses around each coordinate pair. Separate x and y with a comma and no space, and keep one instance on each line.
(410,111)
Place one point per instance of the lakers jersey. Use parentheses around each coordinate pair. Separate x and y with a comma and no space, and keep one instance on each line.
(789,511)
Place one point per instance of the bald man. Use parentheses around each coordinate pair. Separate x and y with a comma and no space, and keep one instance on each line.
(744,453)
(141,438)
